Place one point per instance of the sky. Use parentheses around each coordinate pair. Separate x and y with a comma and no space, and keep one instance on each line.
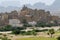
(22,2)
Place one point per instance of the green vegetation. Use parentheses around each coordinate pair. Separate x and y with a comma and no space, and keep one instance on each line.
(16,32)
(43,24)
(58,38)
(10,28)
(4,37)
(51,32)
(40,24)
(6,28)
(33,32)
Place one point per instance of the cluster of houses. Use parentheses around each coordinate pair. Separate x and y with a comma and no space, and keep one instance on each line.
(32,16)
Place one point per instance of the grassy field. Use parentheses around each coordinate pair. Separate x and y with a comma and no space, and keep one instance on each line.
(37,38)
(40,38)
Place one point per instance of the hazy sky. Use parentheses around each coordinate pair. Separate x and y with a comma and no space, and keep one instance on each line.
(21,2)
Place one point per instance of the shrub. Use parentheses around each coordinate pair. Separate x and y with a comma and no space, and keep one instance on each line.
(41,30)
(5,38)
(22,32)
(33,32)
(0,33)
(58,38)
(51,32)
(16,32)
(28,33)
